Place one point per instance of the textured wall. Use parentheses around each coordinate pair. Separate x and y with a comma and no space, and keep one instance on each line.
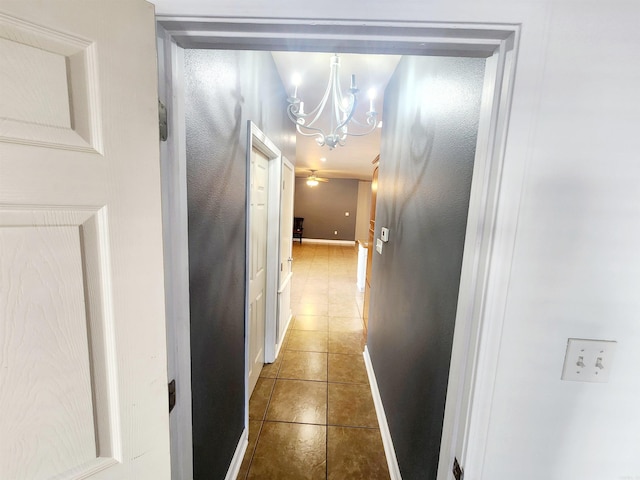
(426,163)
(223,90)
(323,208)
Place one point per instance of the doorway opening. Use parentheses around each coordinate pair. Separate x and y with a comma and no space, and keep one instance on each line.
(469,373)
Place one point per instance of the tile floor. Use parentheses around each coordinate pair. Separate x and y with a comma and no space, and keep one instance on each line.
(311,415)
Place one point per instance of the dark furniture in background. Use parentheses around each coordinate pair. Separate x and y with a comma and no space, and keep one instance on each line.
(297,227)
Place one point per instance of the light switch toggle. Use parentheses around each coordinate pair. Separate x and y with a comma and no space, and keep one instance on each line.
(599,363)
(580,362)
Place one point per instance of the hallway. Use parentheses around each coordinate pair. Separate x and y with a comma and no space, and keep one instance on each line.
(311,415)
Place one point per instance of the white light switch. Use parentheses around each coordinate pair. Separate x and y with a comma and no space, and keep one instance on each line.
(588,360)
(379,246)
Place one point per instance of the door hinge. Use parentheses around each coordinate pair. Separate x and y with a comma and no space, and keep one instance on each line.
(458,472)
(164,129)
(172,394)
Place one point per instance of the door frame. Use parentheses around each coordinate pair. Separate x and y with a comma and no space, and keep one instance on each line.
(486,261)
(175,234)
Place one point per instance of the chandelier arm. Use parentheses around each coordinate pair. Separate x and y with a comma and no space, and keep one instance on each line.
(300,119)
(323,102)
(294,110)
(299,122)
(320,136)
(318,132)
(371,121)
(349,117)
(337,107)
(362,134)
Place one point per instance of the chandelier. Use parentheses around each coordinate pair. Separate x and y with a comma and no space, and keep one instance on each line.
(341,117)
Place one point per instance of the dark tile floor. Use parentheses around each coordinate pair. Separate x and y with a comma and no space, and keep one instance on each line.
(311,415)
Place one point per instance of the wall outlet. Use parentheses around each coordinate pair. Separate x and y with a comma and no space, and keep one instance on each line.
(588,360)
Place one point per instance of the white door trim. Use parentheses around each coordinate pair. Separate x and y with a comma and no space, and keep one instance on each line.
(175,232)
(486,264)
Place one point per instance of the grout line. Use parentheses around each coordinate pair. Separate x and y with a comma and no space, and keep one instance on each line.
(255,447)
(326,440)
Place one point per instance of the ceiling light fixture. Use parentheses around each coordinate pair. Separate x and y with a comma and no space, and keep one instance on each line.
(343,108)
(313,179)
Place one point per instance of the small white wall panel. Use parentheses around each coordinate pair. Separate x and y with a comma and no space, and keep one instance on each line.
(45,368)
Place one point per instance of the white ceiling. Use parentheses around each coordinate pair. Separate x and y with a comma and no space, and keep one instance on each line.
(372,71)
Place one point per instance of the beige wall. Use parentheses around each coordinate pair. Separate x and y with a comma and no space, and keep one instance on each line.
(325,208)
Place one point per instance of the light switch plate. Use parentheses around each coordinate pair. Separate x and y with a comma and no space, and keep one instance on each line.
(588,360)
(379,246)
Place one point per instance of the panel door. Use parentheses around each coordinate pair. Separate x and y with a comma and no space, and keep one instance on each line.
(83,386)
(258,217)
(286,245)
(286,222)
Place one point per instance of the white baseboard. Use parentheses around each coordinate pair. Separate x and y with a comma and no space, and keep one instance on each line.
(238,456)
(387,442)
(330,242)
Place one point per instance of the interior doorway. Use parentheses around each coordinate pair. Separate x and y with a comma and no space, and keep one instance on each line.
(263,227)
(497,44)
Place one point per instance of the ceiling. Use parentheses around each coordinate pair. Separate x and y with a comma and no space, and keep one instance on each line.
(372,71)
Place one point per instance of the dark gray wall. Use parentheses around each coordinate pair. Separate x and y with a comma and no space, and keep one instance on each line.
(426,162)
(223,90)
(323,208)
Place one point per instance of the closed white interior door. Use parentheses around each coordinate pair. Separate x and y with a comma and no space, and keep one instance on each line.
(286,222)
(83,386)
(258,217)
(286,255)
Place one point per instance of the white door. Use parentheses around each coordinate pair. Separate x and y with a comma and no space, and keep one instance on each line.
(83,386)
(258,218)
(286,255)
(286,221)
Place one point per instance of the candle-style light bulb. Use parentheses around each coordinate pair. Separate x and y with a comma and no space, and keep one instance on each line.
(296,83)
(372,95)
